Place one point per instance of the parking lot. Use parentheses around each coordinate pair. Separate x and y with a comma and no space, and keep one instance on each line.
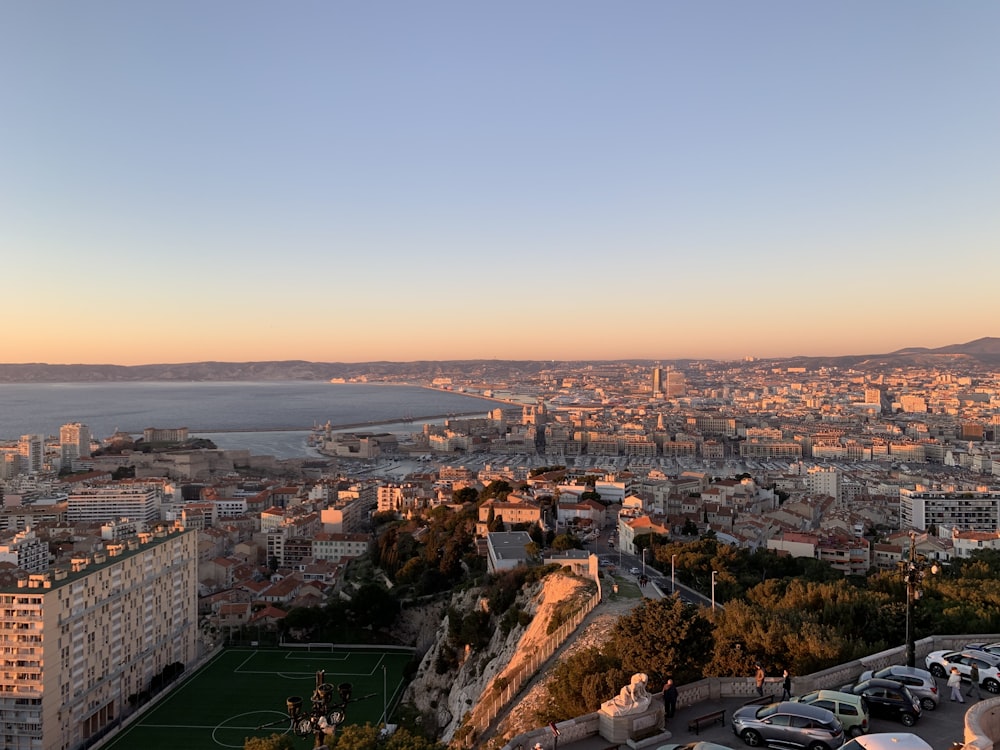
(941,728)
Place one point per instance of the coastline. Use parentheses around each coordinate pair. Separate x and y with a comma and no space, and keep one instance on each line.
(340,427)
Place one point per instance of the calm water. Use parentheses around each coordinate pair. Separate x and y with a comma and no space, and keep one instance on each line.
(272,418)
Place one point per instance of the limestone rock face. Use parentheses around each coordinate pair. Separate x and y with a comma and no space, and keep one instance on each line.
(450,697)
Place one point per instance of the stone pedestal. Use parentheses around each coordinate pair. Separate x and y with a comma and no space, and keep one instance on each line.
(621,729)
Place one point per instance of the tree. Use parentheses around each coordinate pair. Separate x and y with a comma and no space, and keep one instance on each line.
(565,542)
(354,737)
(374,607)
(580,683)
(663,638)
(403,739)
(497,490)
(465,495)
(274,742)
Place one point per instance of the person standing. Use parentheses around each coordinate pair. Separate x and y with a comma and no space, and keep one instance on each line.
(955,683)
(759,679)
(786,686)
(669,699)
(974,682)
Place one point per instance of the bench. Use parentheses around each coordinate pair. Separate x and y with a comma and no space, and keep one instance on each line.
(700,722)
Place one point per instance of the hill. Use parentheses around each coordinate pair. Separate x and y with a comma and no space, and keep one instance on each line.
(981,352)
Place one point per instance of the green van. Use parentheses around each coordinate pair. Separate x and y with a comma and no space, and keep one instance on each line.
(849,708)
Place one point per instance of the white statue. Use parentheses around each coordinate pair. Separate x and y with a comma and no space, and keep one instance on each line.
(633,698)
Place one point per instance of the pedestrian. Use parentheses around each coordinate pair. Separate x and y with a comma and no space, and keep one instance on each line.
(955,683)
(669,699)
(974,682)
(786,686)
(759,679)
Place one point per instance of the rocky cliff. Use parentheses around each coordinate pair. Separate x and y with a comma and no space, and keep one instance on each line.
(455,697)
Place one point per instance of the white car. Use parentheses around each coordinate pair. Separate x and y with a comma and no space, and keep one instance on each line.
(634,571)
(887,741)
(939,664)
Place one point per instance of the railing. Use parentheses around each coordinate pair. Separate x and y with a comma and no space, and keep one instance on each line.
(979,721)
(489,708)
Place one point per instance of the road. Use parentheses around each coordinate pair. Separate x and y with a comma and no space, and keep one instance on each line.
(624,562)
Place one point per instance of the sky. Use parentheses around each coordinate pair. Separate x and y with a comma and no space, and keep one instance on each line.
(548,179)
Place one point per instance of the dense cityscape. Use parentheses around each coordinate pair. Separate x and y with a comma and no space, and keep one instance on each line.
(103,536)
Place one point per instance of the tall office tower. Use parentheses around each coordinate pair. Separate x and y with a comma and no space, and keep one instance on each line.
(74,442)
(676,384)
(657,380)
(77,640)
(32,450)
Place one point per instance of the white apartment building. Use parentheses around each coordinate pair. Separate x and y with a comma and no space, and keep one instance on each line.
(111,502)
(966,542)
(25,550)
(78,640)
(332,547)
(31,448)
(965,511)
(74,442)
(821,480)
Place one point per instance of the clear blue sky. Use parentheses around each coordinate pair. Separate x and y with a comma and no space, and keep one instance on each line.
(347,181)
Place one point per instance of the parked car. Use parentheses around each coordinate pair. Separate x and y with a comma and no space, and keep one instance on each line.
(888,741)
(788,725)
(889,699)
(634,571)
(848,707)
(990,648)
(940,663)
(918,681)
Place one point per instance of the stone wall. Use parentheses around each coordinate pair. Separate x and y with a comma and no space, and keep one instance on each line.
(982,720)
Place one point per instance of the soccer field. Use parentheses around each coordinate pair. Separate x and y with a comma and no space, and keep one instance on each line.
(239,690)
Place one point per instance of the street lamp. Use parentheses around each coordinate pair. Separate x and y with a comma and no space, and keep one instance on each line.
(673,561)
(914,571)
(714,574)
(325,715)
(644,549)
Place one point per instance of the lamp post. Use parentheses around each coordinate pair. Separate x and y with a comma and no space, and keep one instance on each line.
(325,715)
(673,561)
(714,574)
(644,549)
(914,571)
(385,699)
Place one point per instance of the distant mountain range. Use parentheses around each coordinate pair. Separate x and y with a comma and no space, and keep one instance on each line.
(984,352)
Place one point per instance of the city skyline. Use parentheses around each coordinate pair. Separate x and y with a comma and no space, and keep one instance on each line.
(570,181)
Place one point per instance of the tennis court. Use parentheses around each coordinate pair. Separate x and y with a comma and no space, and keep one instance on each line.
(242,689)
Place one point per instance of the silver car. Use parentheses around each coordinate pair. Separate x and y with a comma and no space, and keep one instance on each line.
(920,682)
(788,725)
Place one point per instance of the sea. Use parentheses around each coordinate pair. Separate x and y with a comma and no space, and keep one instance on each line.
(268,418)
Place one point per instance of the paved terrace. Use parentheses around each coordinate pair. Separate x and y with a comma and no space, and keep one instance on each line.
(974,724)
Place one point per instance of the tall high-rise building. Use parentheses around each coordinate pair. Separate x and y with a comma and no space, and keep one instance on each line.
(676,384)
(657,380)
(32,451)
(74,442)
(873,396)
(77,641)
